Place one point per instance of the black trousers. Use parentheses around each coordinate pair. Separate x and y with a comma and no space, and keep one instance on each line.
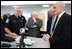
(61,46)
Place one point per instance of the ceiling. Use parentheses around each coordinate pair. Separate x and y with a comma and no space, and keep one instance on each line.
(29,3)
(3,3)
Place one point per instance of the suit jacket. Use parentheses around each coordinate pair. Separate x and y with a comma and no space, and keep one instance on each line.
(62,34)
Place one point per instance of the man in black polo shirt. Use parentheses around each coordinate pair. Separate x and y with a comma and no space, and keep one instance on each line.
(14,23)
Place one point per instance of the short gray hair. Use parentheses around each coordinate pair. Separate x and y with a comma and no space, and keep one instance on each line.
(61,3)
(34,12)
(17,8)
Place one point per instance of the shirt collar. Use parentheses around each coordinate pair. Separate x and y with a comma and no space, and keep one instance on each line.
(54,17)
(61,14)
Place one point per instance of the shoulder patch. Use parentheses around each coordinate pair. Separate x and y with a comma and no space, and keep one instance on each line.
(7,20)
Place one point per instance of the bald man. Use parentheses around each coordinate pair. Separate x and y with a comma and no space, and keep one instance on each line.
(61,34)
(34,24)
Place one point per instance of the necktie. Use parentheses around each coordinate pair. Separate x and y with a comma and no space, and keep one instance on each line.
(55,26)
(55,23)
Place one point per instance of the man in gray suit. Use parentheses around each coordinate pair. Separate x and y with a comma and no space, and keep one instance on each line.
(34,24)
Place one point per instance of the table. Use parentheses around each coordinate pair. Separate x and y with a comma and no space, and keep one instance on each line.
(39,43)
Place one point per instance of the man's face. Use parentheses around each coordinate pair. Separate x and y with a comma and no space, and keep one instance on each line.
(56,8)
(34,15)
(20,13)
(52,12)
(17,11)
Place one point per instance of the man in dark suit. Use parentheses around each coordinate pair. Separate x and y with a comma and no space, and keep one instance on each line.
(50,23)
(61,33)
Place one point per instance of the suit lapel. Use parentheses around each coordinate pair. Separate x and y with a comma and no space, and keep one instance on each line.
(60,21)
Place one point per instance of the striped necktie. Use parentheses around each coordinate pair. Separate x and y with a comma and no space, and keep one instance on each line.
(55,26)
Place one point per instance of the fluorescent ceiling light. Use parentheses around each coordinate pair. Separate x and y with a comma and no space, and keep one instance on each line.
(15,6)
(45,5)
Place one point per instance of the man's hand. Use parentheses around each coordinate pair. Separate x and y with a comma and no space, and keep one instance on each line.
(14,35)
(46,36)
(34,19)
(10,33)
(35,26)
